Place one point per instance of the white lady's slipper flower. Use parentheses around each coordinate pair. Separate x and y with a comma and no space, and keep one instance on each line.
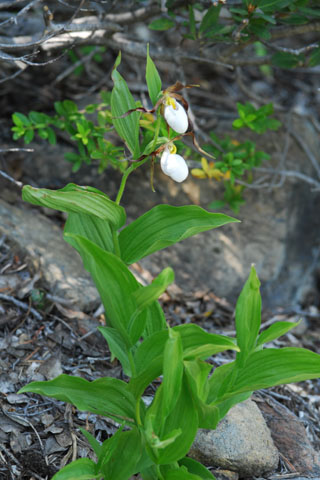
(174,165)
(175,115)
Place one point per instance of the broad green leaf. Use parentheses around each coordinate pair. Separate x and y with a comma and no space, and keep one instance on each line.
(197,343)
(219,384)
(155,321)
(220,381)
(180,474)
(210,19)
(286,60)
(70,107)
(51,136)
(267,5)
(192,23)
(81,469)
(238,123)
(267,18)
(275,330)
(314,12)
(183,417)
(147,295)
(161,24)
(224,406)
(196,468)
(120,460)
(149,473)
(144,298)
(314,59)
(93,442)
(20,119)
(150,349)
(172,372)
(121,102)
(163,226)
(76,199)
(117,346)
(153,79)
(91,227)
(28,136)
(106,396)
(197,373)
(272,366)
(115,284)
(248,315)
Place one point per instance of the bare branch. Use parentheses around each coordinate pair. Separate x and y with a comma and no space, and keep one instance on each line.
(284,32)
(293,51)
(16,149)
(138,15)
(291,173)
(12,180)
(9,3)
(13,18)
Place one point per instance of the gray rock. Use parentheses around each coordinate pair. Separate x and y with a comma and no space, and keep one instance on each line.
(241,443)
(41,240)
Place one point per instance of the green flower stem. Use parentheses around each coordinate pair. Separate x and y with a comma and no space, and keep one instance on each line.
(156,132)
(125,177)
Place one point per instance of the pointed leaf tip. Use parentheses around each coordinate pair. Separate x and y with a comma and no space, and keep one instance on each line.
(254,279)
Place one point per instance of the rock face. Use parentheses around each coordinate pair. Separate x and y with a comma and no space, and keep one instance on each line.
(42,242)
(241,443)
(290,437)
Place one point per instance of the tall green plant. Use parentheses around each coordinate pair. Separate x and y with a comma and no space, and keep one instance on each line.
(154,440)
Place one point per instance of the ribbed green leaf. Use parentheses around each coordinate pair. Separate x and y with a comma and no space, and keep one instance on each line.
(106,396)
(272,366)
(120,455)
(147,295)
(153,79)
(121,102)
(76,199)
(163,226)
(81,469)
(155,321)
(197,343)
(196,468)
(180,474)
(183,418)
(197,373)
(219,382)
(91,227)
(117,347)
(248,315)
(210,18)
(144,298)
(172,372)
(275,330)
(115,284)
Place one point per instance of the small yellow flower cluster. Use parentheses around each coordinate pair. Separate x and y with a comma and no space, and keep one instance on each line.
(209,170)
